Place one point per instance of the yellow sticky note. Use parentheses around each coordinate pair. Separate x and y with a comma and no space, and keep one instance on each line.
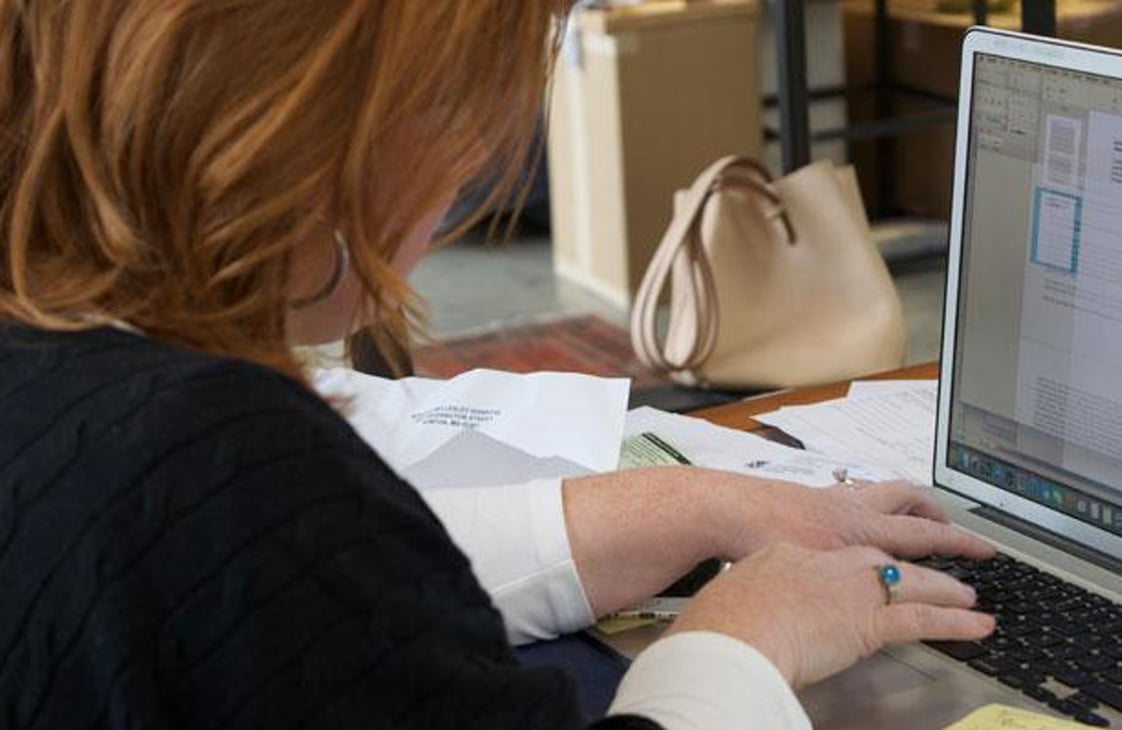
(1002,717)
(619,624)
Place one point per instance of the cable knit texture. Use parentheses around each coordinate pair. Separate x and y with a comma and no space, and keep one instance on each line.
(193,542)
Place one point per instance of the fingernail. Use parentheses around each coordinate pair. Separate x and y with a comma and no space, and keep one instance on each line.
(984,625)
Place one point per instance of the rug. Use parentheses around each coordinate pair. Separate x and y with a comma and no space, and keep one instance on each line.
(583,344)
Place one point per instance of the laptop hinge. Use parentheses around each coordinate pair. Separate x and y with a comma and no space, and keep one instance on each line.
(1036,532)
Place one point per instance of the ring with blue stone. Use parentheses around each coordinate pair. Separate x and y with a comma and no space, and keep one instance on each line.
(889,577)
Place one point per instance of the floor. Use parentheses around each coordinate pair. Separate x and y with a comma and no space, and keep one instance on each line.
(474,286)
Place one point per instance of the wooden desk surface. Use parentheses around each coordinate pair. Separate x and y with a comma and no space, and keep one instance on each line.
(739,415)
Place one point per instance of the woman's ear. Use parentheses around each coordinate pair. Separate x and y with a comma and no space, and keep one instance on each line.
(325,293)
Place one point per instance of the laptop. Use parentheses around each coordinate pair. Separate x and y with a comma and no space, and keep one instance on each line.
(1029,426)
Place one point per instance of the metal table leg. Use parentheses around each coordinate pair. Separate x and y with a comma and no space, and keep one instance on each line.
(794,115)
(1039,17)
(886,147)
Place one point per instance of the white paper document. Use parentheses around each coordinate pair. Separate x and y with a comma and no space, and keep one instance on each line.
(485,427)
(879,388)
(656,437)
(894,429)
(474,459)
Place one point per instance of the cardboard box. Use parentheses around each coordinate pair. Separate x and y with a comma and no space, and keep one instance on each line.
(645,97)
(925,48)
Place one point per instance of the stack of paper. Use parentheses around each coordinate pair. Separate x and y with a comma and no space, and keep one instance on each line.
(484,428)
(655,437)
(887,423)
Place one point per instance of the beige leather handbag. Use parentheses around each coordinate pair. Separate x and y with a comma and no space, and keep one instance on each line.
(774,283)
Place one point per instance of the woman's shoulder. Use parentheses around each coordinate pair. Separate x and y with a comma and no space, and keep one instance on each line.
(117,437)
(112,406)
(125,425)
(123,380)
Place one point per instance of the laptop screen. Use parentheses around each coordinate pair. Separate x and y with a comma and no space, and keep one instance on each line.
(1036,388)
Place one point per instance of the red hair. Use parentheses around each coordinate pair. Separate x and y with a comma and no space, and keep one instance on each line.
(161,160)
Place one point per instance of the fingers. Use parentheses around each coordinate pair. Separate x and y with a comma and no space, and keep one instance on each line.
(901,498)
(923,585)
(931,605)
(915,537)
(907,622)
(813,613)
(916,584)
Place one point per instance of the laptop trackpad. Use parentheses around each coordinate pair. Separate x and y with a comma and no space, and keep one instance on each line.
(859,688)
(902,686)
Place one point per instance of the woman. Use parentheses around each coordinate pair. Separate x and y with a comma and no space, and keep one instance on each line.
(189,537)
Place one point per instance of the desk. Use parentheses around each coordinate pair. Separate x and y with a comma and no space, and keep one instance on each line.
(739,415)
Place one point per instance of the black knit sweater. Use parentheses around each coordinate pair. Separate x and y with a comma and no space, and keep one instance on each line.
(192,542)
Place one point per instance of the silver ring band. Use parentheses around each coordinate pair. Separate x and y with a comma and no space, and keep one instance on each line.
(889,578)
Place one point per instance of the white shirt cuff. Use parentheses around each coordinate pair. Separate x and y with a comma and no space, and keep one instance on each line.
(699,680)
(516,539)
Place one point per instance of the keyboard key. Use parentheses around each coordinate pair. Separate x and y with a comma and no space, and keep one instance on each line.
(1029,654)
(1066,651)
(1019,630)
(1048,640)
(1108,694)
(1021,679)
(1073,678)
(995,665)
(1039,693)
(1067,707)
(1069,628)
(1045,639)
(1086,616)
(963,651)
(1095,664)
(1003,643)
(1090,718)
(1083,700)
(959,572)
(1022,607)
(1093,641)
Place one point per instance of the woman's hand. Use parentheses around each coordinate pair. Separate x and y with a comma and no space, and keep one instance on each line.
(896,517)
(814,613)
(634,532)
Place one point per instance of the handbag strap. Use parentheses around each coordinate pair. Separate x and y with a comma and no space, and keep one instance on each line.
(681,239)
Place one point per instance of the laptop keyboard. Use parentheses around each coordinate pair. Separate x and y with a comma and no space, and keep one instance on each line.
(1055,642)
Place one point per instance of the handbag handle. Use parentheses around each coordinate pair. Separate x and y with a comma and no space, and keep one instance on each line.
(681,239)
